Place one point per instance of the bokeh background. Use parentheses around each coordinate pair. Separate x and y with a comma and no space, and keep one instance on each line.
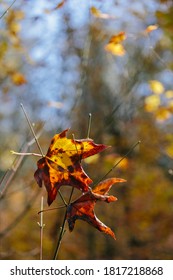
(53,61)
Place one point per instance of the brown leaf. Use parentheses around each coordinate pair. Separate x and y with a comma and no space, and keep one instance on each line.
(83,207)
(62,164)
(60,5)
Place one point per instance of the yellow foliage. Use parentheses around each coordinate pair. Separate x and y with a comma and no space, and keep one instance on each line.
(169,93)
(97,13)
(114,46)
(123,164)
(169,150)
(162,114)
(156,86)
(118,38)
(18,79)
(115,49)
(151,28)
(170,106)
(15,27)
(152,103)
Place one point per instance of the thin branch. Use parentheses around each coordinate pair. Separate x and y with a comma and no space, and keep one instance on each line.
(6,11)
(31,127)
(89,124)
(8,176)
(131,149)
(25,154)
(51,209)
(41,225)
(62,229)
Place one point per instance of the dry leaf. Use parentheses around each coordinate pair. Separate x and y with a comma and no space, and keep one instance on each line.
(151,28)
(18,79)
(83,207)
(62,164)
(114,46)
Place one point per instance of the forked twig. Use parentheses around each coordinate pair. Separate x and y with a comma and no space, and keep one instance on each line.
(31,127)
(62,229)
(37,142)
(8,176)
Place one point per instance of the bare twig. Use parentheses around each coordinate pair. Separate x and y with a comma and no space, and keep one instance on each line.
(118,162)
(41,225)
(6,11)
(8,176)
(89,125)
(52,209)
(62,229)
(25,154)
(31,127)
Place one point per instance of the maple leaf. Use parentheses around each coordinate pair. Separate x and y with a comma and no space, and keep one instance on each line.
(83,207)
(62,164)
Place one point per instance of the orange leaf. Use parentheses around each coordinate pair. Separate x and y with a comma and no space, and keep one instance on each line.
(18,79)
(60,5)
(151,28)
(118,38)
(83,207)
(62,164)
(114,46)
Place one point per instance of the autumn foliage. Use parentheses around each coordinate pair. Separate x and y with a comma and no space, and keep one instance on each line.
(62,166)
(83,207)
(63,60)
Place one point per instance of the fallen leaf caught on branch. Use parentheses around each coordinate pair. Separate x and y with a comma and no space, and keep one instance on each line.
(83,207)
(62,164)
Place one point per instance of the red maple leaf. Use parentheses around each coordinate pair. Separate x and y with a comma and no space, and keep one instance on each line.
(83,207)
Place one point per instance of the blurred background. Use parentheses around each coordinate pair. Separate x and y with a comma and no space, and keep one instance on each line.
(54,60)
